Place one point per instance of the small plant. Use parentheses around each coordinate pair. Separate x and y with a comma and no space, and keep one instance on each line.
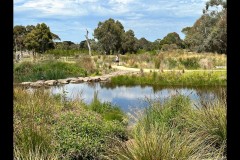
(107,110)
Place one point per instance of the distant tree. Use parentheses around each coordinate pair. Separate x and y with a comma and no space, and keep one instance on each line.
(144,44)
(156,44)
(19,33)
(39,38)
(129,42)
(55,37)
(109,35)
(83,45)
(29,28)
(31,41)
(172,38)
(66,45)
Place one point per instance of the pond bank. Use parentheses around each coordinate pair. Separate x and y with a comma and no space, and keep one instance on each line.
(103,78)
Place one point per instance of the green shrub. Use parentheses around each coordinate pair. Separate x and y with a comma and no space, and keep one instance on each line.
(28,71)
(172,63)
(85,135)
(190,63)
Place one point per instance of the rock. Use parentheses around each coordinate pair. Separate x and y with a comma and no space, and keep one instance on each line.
(70,79)
(50,82)
(94,79)
(40,82)
(26,83)
(86,79)
(63,81)
(76,80)
(104,78)
(36,84)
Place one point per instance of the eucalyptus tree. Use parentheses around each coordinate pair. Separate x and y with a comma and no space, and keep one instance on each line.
(129,42)
(40,38)
(209,32)
(109,35)
(19,33)
(172,39)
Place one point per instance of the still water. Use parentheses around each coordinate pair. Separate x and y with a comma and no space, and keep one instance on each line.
(129,98)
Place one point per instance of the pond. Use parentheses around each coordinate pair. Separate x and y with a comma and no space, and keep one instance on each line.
(130,98)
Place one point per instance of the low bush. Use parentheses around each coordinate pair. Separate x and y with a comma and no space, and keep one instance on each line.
(28,71)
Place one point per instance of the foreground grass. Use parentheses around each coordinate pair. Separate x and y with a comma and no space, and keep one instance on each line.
(28,71)
(51,127)
(173,78)
(175,130)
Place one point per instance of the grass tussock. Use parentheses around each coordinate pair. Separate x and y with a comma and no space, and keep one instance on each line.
(174,129)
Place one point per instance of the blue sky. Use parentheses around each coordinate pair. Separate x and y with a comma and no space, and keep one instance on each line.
(69,19)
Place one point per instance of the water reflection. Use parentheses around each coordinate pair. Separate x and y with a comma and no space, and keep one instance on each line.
(130,97)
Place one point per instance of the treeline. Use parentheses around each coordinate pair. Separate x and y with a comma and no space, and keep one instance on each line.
(37,38)
(208,34)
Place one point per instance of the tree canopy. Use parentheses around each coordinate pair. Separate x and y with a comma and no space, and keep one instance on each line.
(109,34)
(209,32)
(38,38)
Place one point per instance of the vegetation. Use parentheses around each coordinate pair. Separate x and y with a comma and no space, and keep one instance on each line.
(177,59)
(29,71)
(209,32)
(109,35)
(37,38)
(45,127)
(107,110)
(174,129)
(202,78)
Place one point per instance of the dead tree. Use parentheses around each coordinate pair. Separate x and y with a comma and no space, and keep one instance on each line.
(89,47)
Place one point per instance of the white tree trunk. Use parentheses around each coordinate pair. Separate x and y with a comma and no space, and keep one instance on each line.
(89,47)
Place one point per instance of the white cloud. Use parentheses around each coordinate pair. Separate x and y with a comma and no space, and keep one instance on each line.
(121,1)
(147,19)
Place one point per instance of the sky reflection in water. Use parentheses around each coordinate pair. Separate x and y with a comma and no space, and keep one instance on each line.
(132,97)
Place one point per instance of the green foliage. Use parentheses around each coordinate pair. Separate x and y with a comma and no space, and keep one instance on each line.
(38,38)
(45,129)
(33,115)
(62,52)
(209,32)
(201,78)
(171,41)
(129,42)
(109,34)
(28,71)
(172,63)
(190,63)
(83,136)
(143,44)
(106,109)
(165,113)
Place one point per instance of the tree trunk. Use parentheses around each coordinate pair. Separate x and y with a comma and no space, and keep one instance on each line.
(89,47)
